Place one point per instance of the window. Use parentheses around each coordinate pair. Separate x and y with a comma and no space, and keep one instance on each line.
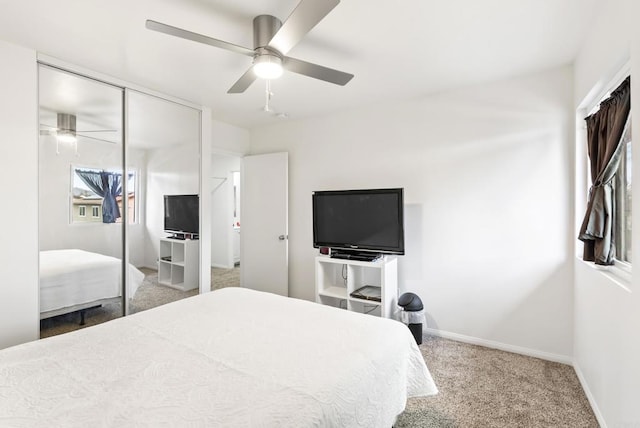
(606,227)
(622,194)
(102,190)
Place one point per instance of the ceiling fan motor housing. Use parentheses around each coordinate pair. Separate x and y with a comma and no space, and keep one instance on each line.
(264,28)
(66,123)
(267,61)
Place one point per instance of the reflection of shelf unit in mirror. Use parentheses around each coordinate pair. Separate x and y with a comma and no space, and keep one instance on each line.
(178,265)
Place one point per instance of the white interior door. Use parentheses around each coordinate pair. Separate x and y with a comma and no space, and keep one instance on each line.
(264,241)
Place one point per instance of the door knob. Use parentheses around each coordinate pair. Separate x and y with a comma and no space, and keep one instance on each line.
(282,237)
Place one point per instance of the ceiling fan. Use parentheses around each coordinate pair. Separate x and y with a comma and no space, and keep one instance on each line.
(272,39)
(66,131)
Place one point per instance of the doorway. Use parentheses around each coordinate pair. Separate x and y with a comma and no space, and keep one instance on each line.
(226,220)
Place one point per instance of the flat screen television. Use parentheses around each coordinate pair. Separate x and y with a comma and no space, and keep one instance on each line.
(182,214)
(369,220)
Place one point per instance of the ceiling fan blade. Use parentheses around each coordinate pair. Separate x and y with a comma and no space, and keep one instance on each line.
(184,34)
(98,139)
(304,17)
(243,82)
(316,71)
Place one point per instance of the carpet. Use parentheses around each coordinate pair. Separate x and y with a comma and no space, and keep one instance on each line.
(488,388)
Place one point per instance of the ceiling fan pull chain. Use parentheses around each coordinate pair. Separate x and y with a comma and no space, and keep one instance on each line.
(267,94)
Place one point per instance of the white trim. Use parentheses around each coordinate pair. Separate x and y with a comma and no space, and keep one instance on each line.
(221,266)
(619,276)
(563,359)
(590,397)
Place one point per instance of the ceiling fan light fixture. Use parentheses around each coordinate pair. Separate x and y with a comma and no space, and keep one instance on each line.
(66,136)
(267,66)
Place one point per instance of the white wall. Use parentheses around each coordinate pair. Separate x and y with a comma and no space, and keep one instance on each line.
(487,202)
(19,316)
(229,139)
(170,171)
(607,316)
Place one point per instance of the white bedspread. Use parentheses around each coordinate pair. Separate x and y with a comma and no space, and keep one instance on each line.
(229,358)
(72,277)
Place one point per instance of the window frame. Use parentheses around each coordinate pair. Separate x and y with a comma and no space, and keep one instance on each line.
(620,272)
(622,219)
(136,192)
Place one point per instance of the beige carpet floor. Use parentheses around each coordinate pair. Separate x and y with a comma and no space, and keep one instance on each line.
(488,388)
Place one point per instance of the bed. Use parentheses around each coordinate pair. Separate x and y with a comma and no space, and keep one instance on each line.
(73,279)
(230,358)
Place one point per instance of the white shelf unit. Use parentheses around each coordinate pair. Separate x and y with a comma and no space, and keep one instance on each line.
(179,264)
(332,289)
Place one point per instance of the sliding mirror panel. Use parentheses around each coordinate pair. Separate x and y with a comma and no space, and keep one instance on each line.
(163,147)
(82,202)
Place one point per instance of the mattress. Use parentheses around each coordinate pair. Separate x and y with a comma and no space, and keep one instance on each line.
(230,358)
(74,277)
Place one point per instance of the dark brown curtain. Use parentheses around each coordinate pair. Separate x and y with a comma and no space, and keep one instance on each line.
(604,134)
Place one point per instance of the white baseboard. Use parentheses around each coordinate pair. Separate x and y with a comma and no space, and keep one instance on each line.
(221,266)
(501,346)
(590,397)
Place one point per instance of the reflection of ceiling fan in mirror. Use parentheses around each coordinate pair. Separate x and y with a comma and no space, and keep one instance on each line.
(272,39)
(65,131)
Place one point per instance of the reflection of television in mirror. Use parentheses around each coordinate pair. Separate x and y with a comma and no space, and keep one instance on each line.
(182,215)
(355,223)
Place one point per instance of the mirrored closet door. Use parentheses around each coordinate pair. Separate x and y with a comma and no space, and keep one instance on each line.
(119,214)
(82,202)
(163,143)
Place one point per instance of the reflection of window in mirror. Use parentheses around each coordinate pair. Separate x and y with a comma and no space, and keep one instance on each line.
(101,190)
(236,199)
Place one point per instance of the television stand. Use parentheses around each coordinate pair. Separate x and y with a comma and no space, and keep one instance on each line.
(363,256)
(358,286)
(178,263)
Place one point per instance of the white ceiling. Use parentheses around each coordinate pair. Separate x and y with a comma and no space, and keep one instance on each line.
(396,49)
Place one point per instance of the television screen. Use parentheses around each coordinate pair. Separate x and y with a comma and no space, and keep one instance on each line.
(362,220)
(181,213)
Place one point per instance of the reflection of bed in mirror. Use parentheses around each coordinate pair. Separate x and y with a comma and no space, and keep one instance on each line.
(73,280)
